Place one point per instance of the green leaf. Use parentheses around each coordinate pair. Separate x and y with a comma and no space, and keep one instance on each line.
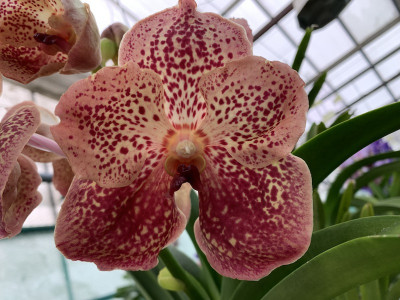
(394,291)
(211,278)
(318,212)
(301,51)
(367,211)
(344,116)
(376,190)
(315,130)
(192,287)
(345,202)
(370,291)
(312,95)
(376,172)
(325,152)
(228,287)
(188,264)
(347,265)
(331,203)
(148,286)
(394,189)
(321,241)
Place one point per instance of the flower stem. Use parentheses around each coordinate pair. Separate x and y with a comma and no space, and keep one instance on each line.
(43,143)
(192,287)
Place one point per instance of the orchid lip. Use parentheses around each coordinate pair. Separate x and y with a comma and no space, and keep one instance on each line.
(49,40)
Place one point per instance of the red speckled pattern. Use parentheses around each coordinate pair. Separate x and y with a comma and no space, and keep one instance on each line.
(18,174)
(113,125)
(43,129)
(118,228)
(253,220)
(186,76)
(255,108)
(180,44)
(24,59)
(62,176)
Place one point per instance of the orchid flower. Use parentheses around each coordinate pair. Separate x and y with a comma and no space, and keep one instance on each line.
(19,178)
(41,37)
(188,104)
(42,148)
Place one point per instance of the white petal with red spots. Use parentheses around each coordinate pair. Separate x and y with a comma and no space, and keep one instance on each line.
(255,108)
(180,44)
(113,125)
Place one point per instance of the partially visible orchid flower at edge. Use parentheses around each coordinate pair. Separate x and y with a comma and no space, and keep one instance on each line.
(41,37)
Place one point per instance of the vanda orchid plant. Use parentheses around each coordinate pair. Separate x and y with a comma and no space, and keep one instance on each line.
(190,130)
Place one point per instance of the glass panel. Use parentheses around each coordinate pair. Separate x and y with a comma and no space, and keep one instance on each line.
(251,12)
(394,86)
(276,44)
(274,7)
(390,66)
(291,26)
(383,44)
(329,44)
(347,69)
(365,17)
(377,99)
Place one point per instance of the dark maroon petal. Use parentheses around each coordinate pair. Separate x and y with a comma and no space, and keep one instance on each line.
(180,44)
(253,220)
(118,228)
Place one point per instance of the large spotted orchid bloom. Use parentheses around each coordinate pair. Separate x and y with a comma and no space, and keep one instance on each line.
(188,104)
(41,37)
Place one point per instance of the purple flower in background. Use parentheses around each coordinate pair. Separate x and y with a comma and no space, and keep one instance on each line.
(378,147)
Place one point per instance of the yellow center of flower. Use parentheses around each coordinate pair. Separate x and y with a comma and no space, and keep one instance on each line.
(184,149)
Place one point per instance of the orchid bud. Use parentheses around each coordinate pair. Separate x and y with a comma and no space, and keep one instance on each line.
(115,32)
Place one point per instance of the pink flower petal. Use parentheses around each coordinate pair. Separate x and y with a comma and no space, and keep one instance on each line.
(62,176)
(84,55)
(253,220)
(182,199)
(25,64)
(43,129)
(24,59)
(255,108)
(180,44)
(243,22)
(113,125)
(118,228)
(20,197)
(18,183)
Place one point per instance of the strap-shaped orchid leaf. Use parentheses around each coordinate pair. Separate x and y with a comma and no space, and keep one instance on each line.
(325,152)
(321,241)
(347,265)
(334,190)
(376,172)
